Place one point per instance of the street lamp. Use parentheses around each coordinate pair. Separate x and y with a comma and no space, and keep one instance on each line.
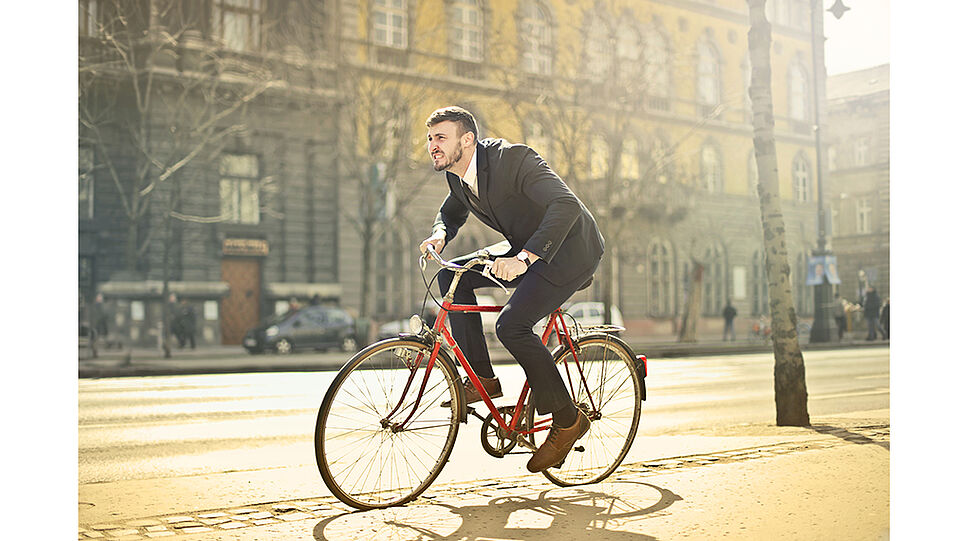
(824,328)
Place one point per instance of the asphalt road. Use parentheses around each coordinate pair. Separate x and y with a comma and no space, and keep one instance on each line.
(154,428)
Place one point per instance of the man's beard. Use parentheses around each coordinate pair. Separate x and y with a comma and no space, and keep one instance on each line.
(450,160)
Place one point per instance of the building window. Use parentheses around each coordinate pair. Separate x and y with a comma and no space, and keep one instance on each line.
(597,47)
(832,158)
(628,47)
(390,23)
(85,182)
(657,66)
(239,188)
(238,23)
(714,278)
(629,159)
(863,221)
(835,217)
(802,180)
(708,78)
(660,166)
(778,12)
(711,171)
(467,30)
(861,151)
(800,93)
(536,39)
(660,282)
(87,18)
(747,74)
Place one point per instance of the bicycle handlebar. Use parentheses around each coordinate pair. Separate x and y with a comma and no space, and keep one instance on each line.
(481,258)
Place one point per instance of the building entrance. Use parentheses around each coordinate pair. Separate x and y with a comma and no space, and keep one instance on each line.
(240,309)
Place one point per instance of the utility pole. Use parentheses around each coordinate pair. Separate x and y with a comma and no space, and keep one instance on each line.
(824,328)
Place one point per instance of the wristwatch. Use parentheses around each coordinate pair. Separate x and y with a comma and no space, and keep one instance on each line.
(522,256)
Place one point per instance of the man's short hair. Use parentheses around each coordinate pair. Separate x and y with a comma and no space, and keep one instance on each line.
(463,117)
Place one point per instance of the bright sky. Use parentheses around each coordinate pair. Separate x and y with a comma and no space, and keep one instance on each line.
(860,39)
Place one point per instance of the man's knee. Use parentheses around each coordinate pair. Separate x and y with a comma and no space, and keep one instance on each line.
(511,329)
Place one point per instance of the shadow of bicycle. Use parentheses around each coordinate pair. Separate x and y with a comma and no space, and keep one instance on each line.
(604,511)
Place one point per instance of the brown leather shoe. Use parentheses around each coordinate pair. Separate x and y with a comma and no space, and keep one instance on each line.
(558,444)
(491,385)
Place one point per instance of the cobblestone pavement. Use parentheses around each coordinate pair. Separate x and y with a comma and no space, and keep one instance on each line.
(449,511)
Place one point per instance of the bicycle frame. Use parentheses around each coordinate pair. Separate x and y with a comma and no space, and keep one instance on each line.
(556,323)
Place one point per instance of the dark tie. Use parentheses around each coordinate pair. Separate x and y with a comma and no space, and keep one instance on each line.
(473,199)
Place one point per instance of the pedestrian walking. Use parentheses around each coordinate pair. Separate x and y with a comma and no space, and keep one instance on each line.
(186,324)
(729,312)
(840,314)
(99,318)
(171,316)
(872,306)
(883,319)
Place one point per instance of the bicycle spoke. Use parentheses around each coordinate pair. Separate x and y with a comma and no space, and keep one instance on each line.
(367,458)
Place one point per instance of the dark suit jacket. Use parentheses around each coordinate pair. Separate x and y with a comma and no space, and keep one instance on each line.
(524,200)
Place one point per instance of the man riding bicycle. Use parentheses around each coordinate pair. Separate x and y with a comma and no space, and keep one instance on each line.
(555,249)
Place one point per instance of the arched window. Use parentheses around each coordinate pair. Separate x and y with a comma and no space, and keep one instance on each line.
(714,280)
(708,90)
(467,30)
(598,45)
(660,280)
(657,68)
(628,47)
(711,170)
(389,23)
(798,103)
(536,28)
(801,175)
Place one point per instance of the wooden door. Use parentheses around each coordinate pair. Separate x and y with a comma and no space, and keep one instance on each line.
(240,309)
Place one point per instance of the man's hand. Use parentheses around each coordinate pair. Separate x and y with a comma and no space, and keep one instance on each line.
(436,240)
(508,268)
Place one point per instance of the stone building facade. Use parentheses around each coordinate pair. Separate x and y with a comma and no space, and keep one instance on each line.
(300,170)
(859,165)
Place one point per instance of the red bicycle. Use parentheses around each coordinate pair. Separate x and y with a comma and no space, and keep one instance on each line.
(389,420)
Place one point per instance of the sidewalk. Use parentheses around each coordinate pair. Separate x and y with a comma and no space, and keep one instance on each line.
(130,362)
(829,481)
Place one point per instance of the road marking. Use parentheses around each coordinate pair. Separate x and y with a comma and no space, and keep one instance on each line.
(882,390)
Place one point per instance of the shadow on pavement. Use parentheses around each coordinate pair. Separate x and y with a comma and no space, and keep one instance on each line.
(601,511)
(849,436)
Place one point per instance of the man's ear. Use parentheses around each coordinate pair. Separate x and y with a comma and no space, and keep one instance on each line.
(467,139)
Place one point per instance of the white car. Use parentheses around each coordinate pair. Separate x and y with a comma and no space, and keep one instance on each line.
(591,313)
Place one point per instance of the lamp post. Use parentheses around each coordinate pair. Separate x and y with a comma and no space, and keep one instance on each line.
(824,328)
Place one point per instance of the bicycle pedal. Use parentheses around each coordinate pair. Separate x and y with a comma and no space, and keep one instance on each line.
(578,448)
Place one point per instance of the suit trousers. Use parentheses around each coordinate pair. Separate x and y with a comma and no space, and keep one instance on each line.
(533,299)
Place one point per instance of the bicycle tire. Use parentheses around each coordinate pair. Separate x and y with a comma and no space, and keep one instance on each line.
(615,407)
(364,462)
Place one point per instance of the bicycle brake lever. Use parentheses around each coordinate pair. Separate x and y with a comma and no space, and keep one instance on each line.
(487,274)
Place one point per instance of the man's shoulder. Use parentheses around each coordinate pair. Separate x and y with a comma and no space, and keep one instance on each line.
(503,146)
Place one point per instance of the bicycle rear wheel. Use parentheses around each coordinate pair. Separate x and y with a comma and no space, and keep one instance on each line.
(602,378)
(368,456)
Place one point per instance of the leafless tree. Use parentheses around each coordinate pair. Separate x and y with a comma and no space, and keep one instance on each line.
(790,391)
(153,97)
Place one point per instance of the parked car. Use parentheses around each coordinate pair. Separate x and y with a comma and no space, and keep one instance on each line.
(590,313)
(312,327)
(586,314)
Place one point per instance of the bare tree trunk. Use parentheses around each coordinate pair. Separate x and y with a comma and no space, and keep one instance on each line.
(692,313)
(790,391)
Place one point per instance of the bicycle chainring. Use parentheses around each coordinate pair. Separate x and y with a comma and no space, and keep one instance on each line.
(495,440)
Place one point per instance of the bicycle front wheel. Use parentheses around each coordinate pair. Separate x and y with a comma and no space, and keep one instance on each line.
(601,377)
(369,453)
